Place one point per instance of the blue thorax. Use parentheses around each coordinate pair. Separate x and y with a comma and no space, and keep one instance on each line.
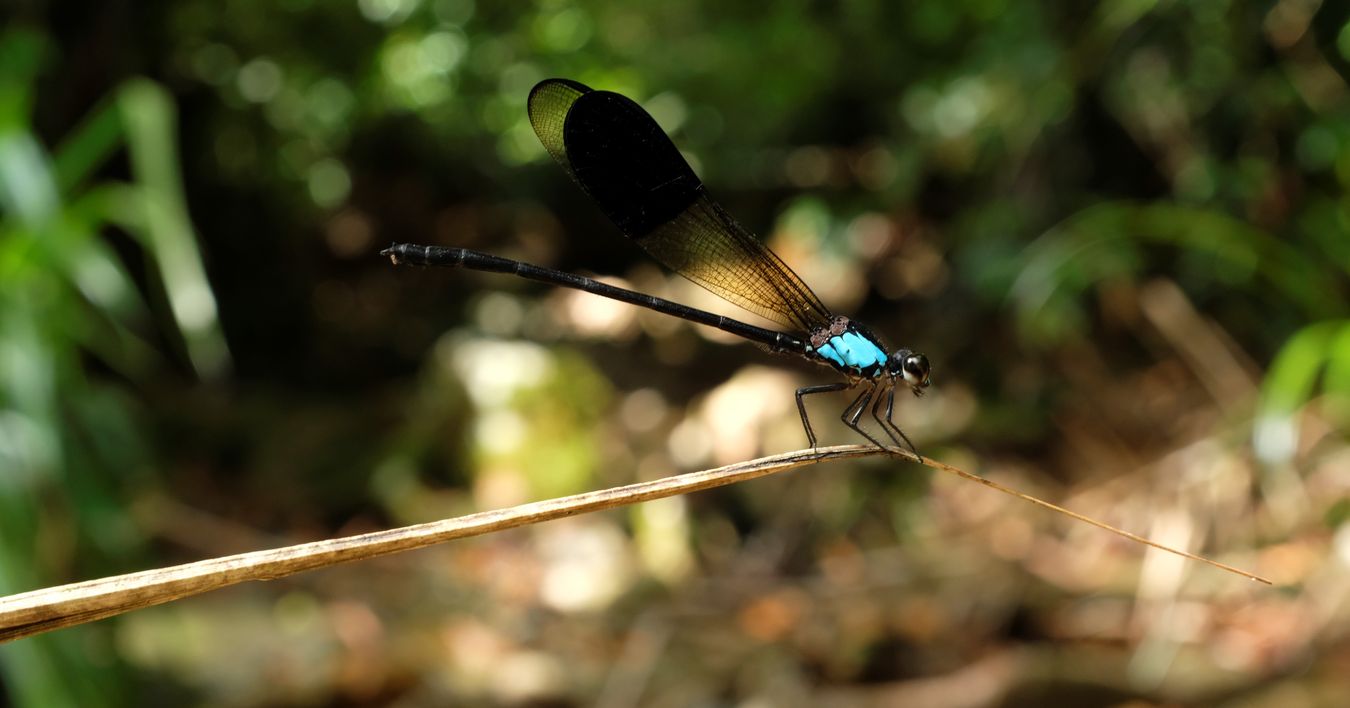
(854,352)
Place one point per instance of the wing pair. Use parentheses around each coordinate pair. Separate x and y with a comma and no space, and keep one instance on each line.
(626,163)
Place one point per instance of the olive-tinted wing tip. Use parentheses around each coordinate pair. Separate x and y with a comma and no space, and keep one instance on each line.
(546,84)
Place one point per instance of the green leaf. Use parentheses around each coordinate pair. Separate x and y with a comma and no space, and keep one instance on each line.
(1293,375)
(148,114)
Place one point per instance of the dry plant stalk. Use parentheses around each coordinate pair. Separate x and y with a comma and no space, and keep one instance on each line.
(43,610)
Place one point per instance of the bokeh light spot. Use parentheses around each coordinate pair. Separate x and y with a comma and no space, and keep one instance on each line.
(259,80)
(565,31)
(387,12)
(329,183)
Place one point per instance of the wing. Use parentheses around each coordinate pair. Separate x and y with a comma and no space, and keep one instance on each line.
(619,155)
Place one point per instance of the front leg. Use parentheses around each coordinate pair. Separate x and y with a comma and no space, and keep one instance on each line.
(888,424)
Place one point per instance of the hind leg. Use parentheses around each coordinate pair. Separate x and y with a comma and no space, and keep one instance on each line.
(801,407)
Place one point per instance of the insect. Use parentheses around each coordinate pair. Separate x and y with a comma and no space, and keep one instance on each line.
(622,159)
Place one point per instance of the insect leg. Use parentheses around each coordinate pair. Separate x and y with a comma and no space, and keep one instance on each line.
(855,411)
(801,407)
(888,423)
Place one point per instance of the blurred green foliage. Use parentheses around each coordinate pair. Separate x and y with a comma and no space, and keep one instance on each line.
(72,443)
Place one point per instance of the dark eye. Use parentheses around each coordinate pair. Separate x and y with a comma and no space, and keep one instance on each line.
(916,368)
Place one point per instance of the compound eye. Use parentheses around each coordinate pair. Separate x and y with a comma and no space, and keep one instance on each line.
(916,370)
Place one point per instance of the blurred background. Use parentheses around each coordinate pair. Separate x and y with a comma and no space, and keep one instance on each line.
(1120,232)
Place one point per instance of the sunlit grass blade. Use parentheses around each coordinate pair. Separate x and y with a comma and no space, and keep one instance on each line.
(149,118)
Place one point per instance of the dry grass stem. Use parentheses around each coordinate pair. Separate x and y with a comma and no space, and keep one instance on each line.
(62,606)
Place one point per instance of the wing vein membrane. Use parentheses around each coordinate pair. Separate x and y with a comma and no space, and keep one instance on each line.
(620,156)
